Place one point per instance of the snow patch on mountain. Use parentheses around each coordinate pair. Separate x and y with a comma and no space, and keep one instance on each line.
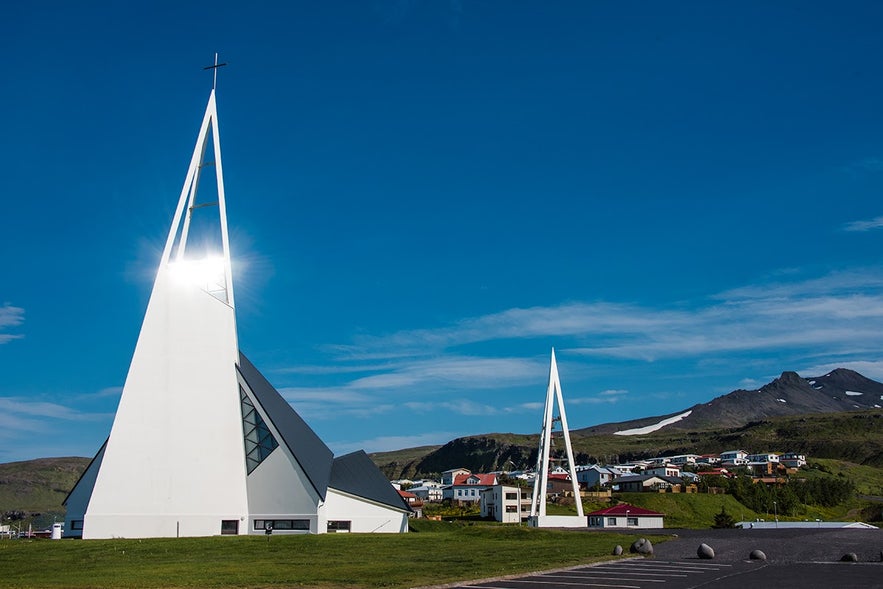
(652,428)
(853,393)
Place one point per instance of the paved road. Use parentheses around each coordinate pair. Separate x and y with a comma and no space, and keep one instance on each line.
(795,558)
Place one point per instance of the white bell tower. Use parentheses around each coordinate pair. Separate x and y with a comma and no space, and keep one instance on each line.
(544,457)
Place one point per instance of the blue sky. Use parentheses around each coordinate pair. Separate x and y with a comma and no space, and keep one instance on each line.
(425,197)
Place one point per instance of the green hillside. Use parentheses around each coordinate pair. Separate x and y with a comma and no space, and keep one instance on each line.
(36,488)
(856,437)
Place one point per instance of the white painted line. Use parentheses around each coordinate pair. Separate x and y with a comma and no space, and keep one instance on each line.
(574,584)
(616,578)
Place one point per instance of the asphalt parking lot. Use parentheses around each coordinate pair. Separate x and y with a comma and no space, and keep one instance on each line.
(795,558)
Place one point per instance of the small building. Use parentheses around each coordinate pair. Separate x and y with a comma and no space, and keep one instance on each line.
(643,483)
(504,503)
(428,491)
(597,475)
(466,487)
(448,476)
(793,460)
(683,459)
(625,516)
(734,458)
(764,457)
(667,470)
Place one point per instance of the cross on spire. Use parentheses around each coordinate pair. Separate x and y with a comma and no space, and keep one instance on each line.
(214,69)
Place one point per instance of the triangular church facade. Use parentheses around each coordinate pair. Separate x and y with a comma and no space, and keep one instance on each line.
(202,444)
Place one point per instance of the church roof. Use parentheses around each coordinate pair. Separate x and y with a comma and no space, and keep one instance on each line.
(308,449)
(356,474)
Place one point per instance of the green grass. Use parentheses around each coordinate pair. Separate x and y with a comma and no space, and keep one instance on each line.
(867,479)
(689,510)
(436,552)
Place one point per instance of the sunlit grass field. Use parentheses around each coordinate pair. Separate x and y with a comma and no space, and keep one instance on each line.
(433,553)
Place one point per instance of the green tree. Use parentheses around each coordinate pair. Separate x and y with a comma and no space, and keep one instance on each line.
(723,519)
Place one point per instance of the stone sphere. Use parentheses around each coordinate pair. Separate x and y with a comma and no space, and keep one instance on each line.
(757,555)
(642,546)
(617,550)
(705,551)
(850,557)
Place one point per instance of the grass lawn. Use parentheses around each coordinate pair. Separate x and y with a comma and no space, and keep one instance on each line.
(438,552)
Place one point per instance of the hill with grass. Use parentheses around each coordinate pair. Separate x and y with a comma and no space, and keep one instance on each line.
(855,437)
(33,490)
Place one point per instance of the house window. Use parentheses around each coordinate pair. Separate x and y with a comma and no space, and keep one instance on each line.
(76,524)
(339,526)
(511,509)
(632,521)
(229,527)
(611,521)
(511,496)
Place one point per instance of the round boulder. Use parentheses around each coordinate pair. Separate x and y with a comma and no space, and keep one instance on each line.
(617,550)
(705,551)
(757,555)
(850,557)
(642,546)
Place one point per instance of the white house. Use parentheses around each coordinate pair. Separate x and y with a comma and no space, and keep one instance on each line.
(734,458)
(596,474)
(668,470)
(625,516)
(683,459)
(765,457)
(793,460)
(448,476)
(428,491)
(504,503)
(641,483)
(467,487)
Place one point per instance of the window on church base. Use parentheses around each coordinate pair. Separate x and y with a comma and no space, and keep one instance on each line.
(229,527)
(283,524)
(339,526)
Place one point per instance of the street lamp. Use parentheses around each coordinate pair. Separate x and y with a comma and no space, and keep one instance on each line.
(627,518)
(776,513)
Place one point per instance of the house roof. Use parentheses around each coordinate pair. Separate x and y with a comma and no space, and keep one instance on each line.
(644,477)
(357,475)
(622,508)
(310,452)
(483,479)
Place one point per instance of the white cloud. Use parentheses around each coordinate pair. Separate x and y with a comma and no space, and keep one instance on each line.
(864,225)
(10,317)
(16,406)
(815,320)
(388,443)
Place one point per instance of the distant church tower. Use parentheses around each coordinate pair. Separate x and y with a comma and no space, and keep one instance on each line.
(202,444)
(544,457)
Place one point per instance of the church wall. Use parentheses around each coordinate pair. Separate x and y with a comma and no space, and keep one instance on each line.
(364,516)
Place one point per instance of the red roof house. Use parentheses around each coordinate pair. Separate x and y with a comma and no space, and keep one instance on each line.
(625,516)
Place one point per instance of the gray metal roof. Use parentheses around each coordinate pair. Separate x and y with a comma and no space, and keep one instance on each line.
(357,475)
(310,452)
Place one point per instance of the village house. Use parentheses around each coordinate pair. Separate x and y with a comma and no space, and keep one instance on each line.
(643,483)
(683,459)
(793,460)
(466,487)
(625,516)
(734,458)
(668,470)
(505,503)
(596,475)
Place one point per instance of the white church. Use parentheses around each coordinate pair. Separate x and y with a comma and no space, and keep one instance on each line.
(202,444)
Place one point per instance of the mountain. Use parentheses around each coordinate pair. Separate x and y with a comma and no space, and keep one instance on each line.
(743,418)
(790,394)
